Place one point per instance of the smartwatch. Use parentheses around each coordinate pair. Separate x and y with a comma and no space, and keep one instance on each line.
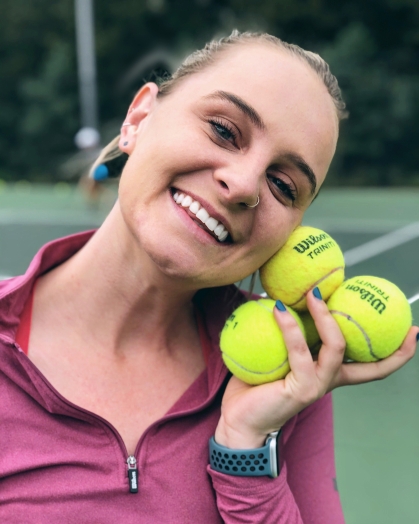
(246,462)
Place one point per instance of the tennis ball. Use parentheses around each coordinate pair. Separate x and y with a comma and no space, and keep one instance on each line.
(252,345)
(308,259)
(373,315)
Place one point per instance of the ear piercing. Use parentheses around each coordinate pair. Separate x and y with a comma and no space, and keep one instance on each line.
(123,125)
(254,205)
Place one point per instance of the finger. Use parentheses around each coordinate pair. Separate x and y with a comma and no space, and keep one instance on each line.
(333,343)
(299,356)
(359,373)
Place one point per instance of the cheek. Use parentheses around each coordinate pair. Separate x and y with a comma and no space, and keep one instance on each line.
(269,234)
(156,161)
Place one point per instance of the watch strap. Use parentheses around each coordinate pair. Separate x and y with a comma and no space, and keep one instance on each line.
(246,462)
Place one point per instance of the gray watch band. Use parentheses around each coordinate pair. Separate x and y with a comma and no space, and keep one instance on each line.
(246,462)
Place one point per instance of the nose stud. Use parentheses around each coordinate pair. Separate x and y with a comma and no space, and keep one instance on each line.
(254,205)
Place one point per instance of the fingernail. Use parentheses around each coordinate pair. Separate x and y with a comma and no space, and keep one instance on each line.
(317,294)
(279,305)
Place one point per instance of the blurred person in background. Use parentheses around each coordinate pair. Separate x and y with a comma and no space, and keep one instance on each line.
(112,381)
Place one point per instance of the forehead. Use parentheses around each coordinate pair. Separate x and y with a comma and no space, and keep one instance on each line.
(290,97)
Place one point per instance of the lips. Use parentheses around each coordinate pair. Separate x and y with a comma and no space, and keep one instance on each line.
(213,226)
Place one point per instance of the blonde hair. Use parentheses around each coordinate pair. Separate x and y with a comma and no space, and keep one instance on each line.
(198,60)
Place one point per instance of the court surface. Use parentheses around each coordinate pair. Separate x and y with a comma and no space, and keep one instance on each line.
(377,424)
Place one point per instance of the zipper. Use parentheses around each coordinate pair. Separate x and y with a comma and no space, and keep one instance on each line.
(132,474)
(131,461)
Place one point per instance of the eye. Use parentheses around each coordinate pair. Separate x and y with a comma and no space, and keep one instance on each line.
(280,186)
(223,130)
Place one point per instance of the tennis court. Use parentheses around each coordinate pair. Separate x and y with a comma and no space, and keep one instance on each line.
(376,425)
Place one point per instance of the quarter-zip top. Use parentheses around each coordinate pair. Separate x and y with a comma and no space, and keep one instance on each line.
(62,463)
(59,456)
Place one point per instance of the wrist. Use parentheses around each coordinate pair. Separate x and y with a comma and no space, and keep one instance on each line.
(239,438)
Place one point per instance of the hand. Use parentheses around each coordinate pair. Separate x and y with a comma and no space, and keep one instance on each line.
(249,413)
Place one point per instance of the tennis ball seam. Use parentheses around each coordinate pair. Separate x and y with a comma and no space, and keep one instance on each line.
(364,333)
(253,372)
(339,268)
(264,307)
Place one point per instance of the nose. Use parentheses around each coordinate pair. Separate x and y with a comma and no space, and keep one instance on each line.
(240,183)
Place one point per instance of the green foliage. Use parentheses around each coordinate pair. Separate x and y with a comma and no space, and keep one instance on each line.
(49,113)
(372,47)
(38,91)
(377,144)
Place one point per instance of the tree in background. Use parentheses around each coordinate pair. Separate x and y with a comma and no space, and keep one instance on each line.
(372,47)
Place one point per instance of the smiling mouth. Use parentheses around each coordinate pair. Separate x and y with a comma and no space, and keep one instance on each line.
(201,217)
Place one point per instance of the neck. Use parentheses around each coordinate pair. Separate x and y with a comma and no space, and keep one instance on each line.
(114,293)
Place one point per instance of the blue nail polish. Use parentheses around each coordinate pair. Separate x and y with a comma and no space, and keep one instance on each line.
(417,337)
(279,305)
(317,294)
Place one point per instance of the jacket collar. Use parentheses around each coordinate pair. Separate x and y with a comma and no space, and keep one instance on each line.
(15,291)
(214,304)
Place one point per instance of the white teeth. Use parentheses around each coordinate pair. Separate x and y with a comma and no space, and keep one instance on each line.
(211,223)
(187,201)
(194,207)
(219,229)
(223,236)
(203,215)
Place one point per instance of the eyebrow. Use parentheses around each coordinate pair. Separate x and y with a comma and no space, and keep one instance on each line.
(294,159)
(244,107)
(299,162)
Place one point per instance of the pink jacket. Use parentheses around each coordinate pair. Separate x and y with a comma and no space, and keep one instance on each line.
(61,463)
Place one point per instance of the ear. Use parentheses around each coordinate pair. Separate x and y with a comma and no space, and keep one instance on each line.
(140,107)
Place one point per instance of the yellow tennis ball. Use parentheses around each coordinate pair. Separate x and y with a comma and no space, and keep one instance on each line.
(252,345)
(373,315)
(309,258)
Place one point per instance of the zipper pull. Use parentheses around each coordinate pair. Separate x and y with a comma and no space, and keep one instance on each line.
(132,474)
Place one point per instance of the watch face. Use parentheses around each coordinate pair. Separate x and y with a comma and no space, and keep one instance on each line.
(273,456)
(273,443)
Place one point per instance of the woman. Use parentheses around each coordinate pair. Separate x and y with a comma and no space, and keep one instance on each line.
(108,416)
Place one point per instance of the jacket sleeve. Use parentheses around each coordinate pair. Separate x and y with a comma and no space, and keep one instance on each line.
(251,500)
(309,454)
(304,492)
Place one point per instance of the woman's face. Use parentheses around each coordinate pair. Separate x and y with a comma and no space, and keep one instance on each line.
(256,123)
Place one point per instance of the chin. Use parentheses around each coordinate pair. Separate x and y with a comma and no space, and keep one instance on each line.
(175,256)
(188,269)
(173,262)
